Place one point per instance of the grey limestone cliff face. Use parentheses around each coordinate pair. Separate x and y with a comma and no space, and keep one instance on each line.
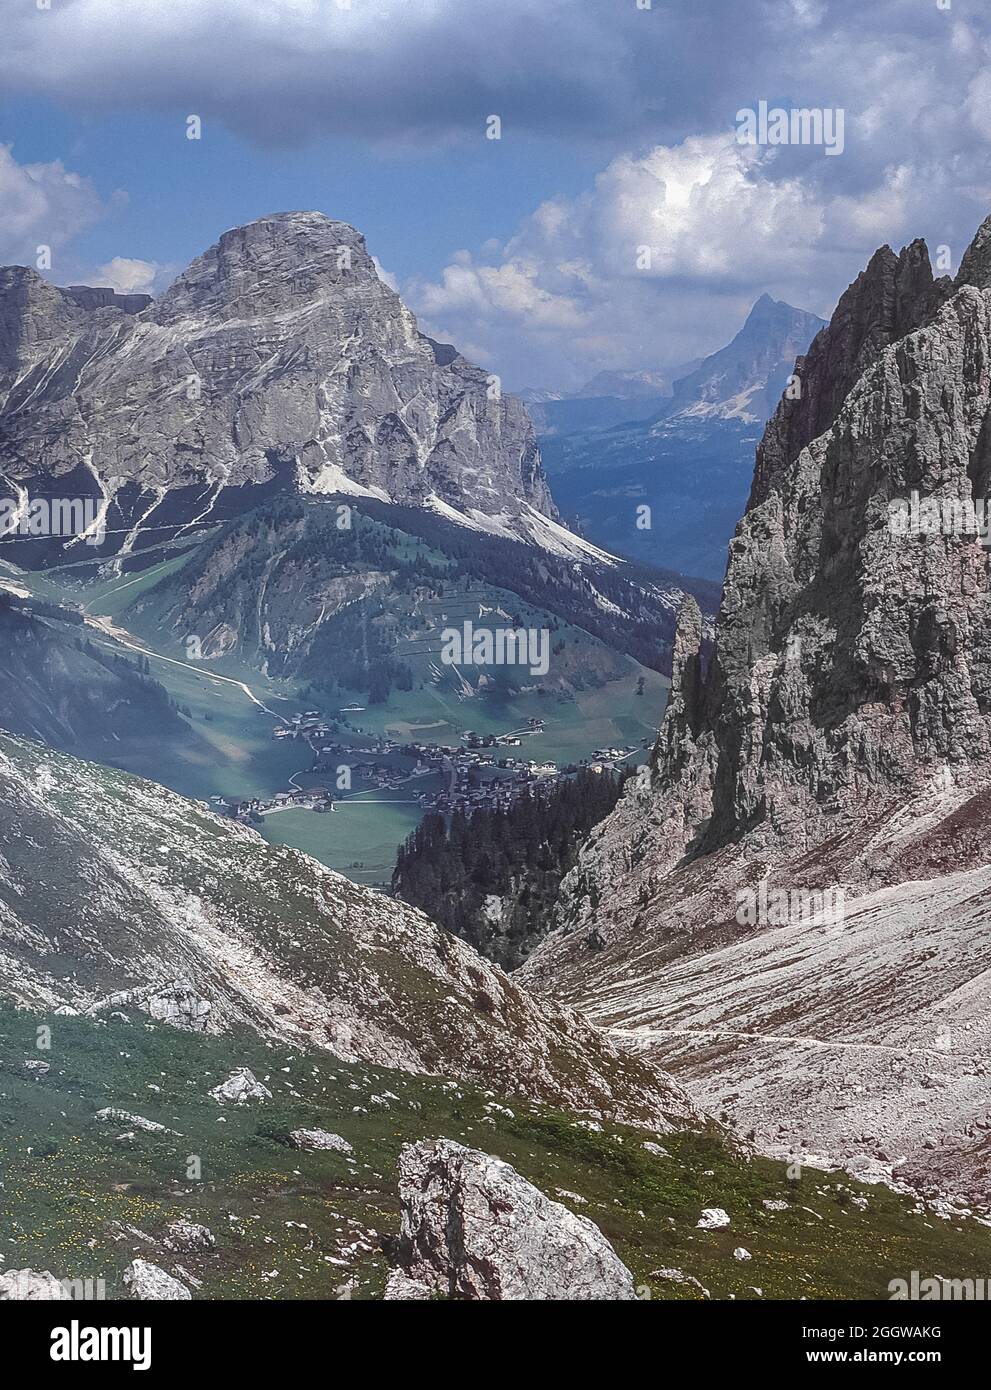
(96,297)
(34,317)
(278,354)
(852,662)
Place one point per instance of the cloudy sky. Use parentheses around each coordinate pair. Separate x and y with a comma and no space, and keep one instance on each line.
(618,133)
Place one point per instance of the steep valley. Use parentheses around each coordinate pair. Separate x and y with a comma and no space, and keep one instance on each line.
(296,493)
(247,686)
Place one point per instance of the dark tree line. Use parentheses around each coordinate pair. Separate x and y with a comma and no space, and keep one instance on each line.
(455,868)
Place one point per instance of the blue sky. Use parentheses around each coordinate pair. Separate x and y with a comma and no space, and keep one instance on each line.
(618,132)
(181,193)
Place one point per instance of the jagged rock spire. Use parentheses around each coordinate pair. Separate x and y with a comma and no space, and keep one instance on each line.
(975,266)
(890,298)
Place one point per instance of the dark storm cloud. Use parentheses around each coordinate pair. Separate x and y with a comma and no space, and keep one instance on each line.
(289,70)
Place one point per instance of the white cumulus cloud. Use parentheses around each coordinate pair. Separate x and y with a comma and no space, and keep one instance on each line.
(41,205)
(128,275)
(661,258)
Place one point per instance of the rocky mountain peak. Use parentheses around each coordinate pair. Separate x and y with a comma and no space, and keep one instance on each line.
(975,265)
(766,311)
(277,263)
(277,359)
(743,380)
(33,313)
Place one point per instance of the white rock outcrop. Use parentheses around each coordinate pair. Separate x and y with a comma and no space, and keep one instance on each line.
(182,1007)
(678,1276)
(319,1139)
(28,1285)
(111,1115)
(151,1283)
(240,1087)
(400,1288)
(188,1236)
(712,1219)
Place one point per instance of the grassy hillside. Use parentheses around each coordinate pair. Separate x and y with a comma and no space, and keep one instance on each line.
(82,1202)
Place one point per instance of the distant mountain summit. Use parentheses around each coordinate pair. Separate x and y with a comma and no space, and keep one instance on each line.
(687,456)
(745,379)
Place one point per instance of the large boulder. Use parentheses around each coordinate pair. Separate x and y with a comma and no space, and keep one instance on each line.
(21,1285)
(112,1115)
(151,1283)
(473,1228)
